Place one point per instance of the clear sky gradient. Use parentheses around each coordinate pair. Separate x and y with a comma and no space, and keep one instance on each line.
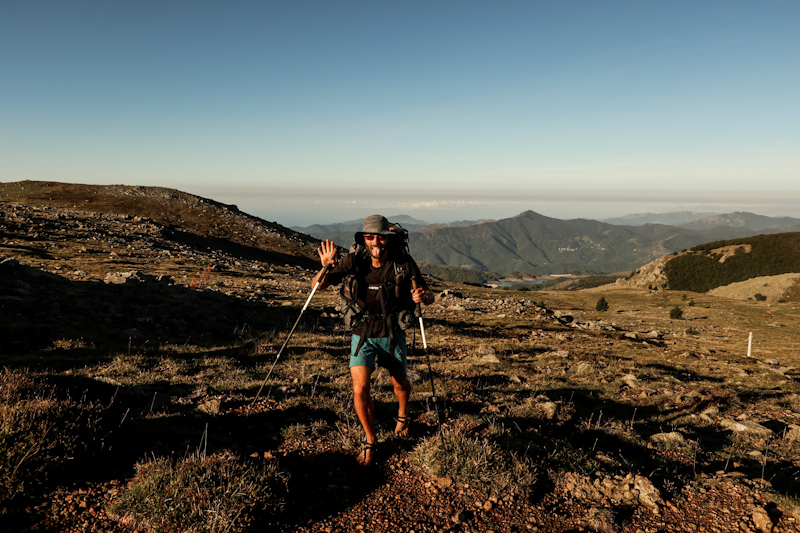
(315,112)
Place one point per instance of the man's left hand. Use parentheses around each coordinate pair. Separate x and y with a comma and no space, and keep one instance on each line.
(421,295)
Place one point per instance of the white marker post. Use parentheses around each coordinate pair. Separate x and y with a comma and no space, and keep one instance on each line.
(750,345)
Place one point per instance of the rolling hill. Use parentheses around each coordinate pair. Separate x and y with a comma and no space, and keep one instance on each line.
(720,263)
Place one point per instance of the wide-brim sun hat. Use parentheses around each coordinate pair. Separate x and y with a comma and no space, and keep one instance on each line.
(374,224)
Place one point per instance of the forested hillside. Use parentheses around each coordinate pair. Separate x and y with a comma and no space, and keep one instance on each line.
(719,263)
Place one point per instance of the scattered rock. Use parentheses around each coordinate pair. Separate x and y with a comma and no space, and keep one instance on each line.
(673,438)
(708,414)
(134,276)
(745,426)
(761,520)
(793,432)
(550,409)
(649,496)
(628,490)
(486,349)
(209,407)
(629,380)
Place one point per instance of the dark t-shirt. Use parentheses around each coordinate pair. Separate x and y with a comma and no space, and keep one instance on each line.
(375,282)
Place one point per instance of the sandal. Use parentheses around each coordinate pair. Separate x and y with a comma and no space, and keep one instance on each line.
(402,426)
(368,451)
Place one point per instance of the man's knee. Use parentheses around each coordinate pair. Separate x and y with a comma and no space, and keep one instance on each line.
(361,389)
(361,383)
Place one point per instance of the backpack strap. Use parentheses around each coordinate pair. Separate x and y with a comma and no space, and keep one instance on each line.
(389,326)
(367,331)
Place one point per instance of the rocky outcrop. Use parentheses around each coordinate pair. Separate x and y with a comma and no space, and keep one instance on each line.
(630,490)
(650,275)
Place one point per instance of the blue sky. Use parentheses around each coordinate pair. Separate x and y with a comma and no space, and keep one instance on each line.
(315,112)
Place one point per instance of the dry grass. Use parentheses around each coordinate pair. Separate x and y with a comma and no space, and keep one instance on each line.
(39,432)
(218,493)
(475,461)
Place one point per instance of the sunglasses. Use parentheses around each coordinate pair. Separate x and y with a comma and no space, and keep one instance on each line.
(372,237)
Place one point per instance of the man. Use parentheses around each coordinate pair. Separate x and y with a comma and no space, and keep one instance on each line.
(387,287)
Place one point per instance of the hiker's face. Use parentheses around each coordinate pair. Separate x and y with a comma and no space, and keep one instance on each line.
(376,244)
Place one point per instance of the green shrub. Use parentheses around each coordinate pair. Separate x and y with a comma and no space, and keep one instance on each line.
(602,304)
(38,431)
(198,493)
(676,313)
(691,303)
(692,331)
(474,461)
(760,297)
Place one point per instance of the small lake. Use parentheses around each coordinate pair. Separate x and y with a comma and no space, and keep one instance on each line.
(527,282)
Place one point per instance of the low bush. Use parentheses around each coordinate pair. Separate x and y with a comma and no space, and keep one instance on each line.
(602,304)
(215,493)
(676,313)
(474,461)
(760,297)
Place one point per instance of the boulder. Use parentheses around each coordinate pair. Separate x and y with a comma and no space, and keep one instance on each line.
(746,426)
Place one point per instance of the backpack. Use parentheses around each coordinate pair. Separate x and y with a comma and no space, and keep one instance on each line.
(352,312)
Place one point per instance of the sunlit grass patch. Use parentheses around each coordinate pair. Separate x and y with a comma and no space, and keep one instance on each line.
(473,460)
(198,493)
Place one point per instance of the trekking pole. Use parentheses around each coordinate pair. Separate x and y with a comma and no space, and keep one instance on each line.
(414,284)
(313,290)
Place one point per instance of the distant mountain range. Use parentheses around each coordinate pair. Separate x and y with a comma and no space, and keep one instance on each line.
(672,218)
(536,244)
(744,220)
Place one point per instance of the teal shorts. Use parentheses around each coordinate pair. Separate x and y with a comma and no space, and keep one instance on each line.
(376,350)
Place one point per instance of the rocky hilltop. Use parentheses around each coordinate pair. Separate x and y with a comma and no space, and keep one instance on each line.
(149,249)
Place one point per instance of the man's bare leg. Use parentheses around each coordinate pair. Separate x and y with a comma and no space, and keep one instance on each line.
(365,410)
(402,390)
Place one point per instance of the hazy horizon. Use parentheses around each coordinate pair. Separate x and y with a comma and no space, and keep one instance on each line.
(328,207)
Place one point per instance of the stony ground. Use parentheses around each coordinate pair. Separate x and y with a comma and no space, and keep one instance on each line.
(627,420)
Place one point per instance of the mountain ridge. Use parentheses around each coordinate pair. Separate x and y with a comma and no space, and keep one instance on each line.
(537,244)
